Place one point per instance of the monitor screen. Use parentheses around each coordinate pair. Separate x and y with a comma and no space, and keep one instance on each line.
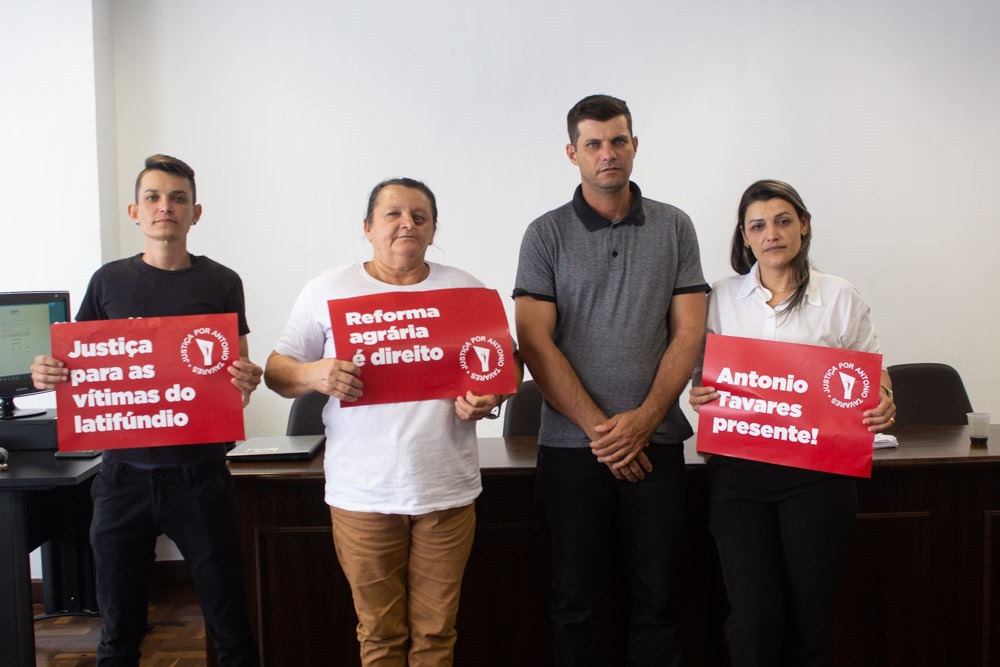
(25,318)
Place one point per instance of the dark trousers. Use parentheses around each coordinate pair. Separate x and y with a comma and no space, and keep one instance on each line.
(195,506)
(588,513)
(783,535)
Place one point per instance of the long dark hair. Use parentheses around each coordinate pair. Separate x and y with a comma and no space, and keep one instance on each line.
(741,257)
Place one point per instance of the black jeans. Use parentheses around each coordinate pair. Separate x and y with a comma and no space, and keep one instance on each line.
(783,535)
(588,513)
(195,506)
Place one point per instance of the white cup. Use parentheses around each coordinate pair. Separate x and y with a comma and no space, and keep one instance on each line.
(979,427)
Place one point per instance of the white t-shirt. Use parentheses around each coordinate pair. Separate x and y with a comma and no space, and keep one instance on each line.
(833,314)
(397,458)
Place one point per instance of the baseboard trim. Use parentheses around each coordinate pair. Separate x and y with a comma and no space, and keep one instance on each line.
(166,574)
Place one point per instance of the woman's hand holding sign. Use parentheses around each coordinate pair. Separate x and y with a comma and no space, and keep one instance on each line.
(290,377)
(699,395)
(340,379)
(473,407)
(884,416)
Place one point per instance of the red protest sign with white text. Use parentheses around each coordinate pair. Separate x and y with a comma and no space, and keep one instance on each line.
(414,346)
(148,382)
(790,404)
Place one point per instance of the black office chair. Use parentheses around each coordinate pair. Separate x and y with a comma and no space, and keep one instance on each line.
(523,412)
(306,415)
(928,395)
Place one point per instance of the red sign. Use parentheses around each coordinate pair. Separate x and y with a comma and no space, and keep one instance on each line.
(790,404)
(148,382)
(414,346)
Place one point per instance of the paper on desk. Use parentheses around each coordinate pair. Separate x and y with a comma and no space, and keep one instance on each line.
(884,441)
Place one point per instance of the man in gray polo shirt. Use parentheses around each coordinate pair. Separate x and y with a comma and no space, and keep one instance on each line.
(610,311)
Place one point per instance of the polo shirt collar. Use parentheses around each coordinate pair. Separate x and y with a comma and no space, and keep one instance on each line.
(751,282)
(593,220)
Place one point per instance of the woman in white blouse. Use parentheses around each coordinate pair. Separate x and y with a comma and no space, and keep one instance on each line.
(783,532)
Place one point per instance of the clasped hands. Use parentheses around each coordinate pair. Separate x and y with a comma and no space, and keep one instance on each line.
(619,443)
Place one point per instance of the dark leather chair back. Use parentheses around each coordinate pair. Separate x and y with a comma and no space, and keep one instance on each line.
(928,395)
(523,412)
(306,415)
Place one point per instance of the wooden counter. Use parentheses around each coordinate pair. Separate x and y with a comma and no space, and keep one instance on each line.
(921,585)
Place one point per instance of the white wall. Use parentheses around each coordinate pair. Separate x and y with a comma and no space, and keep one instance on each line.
(49,135)
(883,115)
(48,167)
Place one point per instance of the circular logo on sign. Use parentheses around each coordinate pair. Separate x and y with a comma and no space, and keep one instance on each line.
(481,358)
(846,385)
(205,351)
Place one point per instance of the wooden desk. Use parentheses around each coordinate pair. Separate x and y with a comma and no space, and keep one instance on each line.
(921,585)
(41,497)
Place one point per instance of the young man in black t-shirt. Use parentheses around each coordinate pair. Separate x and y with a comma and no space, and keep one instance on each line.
(185,491)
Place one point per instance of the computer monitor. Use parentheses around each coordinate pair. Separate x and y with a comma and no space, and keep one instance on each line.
(25,318)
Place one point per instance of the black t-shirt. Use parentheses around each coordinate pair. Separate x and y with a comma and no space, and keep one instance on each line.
(129,288)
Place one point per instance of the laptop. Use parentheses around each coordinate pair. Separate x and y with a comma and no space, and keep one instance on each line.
(277,448)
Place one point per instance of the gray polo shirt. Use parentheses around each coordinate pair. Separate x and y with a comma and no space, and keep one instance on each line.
(612,282)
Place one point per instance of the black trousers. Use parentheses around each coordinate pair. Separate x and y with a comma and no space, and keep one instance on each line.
(782,535)
(195,506)
(589,514)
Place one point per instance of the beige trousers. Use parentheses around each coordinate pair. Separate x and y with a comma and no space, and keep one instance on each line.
(405,574)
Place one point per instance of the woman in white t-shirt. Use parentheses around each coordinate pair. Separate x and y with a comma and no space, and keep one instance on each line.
(401,478)
(783,532)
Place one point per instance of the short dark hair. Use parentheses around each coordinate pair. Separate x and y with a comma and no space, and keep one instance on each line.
(406,183)
(741,258)
(596,107)
(171,165)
